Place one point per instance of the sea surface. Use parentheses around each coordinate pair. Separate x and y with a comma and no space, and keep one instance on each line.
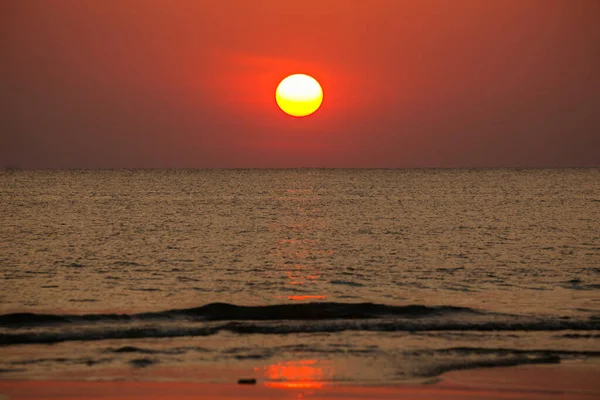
(296,277)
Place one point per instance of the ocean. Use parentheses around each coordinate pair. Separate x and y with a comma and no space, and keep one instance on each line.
(296,277)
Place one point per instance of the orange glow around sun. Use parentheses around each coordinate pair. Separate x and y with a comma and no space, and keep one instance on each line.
(299,95)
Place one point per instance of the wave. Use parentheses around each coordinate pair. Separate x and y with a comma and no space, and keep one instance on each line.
(411,364)
(440,368)
(461,358)
(92,333)
(210,319)
(232,312)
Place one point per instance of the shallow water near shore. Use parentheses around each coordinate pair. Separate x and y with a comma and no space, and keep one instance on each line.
(297,276)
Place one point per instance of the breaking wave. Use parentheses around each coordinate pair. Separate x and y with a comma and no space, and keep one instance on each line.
(273,319)
(231,312)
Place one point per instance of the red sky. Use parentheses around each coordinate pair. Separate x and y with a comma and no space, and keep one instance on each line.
(190,83)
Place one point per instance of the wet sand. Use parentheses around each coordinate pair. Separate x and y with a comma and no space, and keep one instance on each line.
(574,381)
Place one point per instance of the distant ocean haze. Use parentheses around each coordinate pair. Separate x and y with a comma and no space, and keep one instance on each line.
(486,266)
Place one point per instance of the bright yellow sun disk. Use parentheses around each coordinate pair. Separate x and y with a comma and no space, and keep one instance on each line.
(299,95)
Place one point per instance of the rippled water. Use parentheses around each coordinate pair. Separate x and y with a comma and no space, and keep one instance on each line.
(483,267)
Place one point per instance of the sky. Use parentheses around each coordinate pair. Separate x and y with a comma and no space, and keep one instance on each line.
(191,83)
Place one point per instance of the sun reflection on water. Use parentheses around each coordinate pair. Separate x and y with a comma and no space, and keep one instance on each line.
(299,374)
(299,255)
(308,297)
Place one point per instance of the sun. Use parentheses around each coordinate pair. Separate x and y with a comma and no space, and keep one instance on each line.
(299,95)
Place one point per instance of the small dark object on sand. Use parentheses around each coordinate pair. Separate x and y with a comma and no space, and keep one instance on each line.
(250,381)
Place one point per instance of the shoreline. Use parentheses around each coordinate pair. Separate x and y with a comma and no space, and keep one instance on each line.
(568,380)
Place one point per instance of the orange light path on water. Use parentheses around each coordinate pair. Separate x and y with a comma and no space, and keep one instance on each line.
(301,374)
(308,297)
